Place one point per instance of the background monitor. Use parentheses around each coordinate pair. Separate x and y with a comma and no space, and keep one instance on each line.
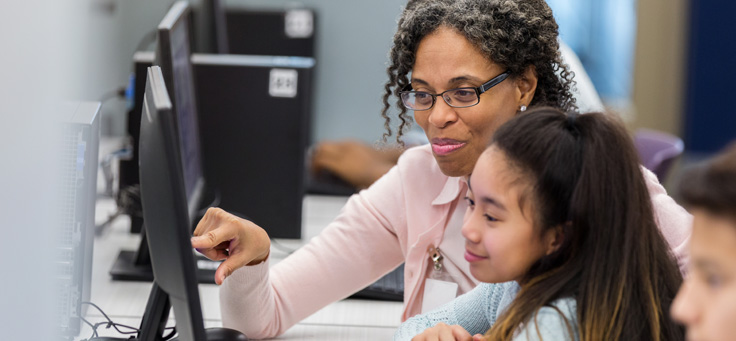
(173,57)
(79,147)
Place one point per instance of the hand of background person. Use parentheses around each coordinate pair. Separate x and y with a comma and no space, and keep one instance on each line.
(445,332)
(223,236)
(355,162)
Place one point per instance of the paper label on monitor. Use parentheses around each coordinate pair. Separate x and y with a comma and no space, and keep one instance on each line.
(299,23)
(437,293)
(282,83)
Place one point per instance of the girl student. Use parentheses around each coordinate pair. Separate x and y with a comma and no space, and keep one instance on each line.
(561,232)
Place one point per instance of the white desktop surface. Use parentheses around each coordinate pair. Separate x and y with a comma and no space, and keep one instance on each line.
(124,302)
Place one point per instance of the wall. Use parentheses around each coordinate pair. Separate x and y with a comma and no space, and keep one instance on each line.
(114,30)
(659,65)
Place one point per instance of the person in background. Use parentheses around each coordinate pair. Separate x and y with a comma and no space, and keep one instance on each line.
(474,65)
(564,241)
(706,303)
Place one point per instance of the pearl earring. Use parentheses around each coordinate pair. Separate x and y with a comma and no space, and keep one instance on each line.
(522,108)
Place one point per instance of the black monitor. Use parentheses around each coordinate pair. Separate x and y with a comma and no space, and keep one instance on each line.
(166,213)
(172,56)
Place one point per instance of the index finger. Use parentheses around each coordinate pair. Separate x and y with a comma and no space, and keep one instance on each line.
(214,238)
(218,230)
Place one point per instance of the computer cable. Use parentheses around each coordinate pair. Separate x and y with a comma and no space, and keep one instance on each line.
(94,330)
(110,323)
(128,201)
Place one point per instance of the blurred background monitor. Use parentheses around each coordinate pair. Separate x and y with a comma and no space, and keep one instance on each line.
(173,57)
(79,148)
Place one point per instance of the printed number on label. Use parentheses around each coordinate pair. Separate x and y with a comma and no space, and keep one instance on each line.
(299,23)
(282,83)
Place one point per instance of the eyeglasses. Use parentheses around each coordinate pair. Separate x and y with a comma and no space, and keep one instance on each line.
(456,98)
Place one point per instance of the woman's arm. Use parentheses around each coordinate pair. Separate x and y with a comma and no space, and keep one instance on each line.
(356,249)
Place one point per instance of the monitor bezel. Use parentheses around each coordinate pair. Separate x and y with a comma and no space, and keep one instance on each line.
(165,210)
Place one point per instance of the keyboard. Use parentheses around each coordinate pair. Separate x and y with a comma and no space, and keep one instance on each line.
(388,288)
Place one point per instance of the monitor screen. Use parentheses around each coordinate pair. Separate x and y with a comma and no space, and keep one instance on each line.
(173,57)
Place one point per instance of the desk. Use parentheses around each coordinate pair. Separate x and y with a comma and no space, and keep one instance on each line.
(125,302)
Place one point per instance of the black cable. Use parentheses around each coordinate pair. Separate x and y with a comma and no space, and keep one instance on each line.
(172,334)
(110,323)
(94,330)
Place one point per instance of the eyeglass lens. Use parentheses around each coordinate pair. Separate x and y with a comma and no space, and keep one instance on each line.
(458,98)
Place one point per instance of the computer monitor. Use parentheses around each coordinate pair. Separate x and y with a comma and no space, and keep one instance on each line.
(78,151)
(166,211)
(172,56)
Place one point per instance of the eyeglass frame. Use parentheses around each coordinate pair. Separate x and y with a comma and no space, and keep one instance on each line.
(478,91)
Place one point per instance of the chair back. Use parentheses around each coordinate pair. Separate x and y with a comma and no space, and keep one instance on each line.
(657,150)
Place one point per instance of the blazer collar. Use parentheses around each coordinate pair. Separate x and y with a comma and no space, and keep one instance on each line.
(450,191)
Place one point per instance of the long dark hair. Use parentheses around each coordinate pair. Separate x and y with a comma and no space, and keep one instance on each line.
(516,34)
(613,260)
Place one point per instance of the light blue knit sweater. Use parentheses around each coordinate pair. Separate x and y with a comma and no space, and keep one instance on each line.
(477,310)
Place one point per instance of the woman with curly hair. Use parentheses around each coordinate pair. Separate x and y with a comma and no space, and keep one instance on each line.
(464,67)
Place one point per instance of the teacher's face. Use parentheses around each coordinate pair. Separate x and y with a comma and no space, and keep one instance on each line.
(445,60)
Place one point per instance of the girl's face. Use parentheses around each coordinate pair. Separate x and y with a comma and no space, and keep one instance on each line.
(706,303)
(447,60)
(501,240)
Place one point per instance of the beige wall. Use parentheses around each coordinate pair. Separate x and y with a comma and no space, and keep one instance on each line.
(659,65)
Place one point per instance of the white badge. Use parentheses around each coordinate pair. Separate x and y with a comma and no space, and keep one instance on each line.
(437,293)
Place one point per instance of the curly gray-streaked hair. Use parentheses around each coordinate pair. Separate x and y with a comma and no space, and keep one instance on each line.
(515,34)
